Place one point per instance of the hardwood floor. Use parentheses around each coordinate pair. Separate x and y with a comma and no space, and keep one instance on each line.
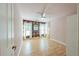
(42,47)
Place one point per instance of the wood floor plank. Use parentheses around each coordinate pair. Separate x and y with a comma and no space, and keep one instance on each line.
(42,47)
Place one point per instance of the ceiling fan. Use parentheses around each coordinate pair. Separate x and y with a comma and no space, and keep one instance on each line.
(43,13)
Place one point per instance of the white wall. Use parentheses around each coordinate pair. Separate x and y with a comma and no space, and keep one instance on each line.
(78,25)
(65,30)
(72,35)
(57,29)
(17,30)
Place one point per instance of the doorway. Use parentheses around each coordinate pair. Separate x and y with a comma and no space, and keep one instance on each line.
(34,29)
(27,29)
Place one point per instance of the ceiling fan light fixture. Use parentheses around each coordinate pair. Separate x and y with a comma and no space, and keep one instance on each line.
(44,15)
(43,18)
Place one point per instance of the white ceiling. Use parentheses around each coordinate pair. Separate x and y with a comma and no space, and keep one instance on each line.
(53,10)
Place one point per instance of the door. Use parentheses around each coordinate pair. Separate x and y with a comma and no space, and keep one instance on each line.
(6,29)
(42,29)
(3,28)
(35,29)
(10,41)
(27,27)
(72,36)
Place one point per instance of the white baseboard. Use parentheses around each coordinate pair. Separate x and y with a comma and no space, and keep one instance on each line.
(59,42)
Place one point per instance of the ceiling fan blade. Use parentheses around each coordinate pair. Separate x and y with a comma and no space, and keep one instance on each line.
(43,14)
(44,10)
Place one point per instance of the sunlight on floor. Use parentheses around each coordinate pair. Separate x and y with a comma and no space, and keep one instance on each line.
(42,47)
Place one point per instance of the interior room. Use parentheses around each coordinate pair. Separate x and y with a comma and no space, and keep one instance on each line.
(39,29)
